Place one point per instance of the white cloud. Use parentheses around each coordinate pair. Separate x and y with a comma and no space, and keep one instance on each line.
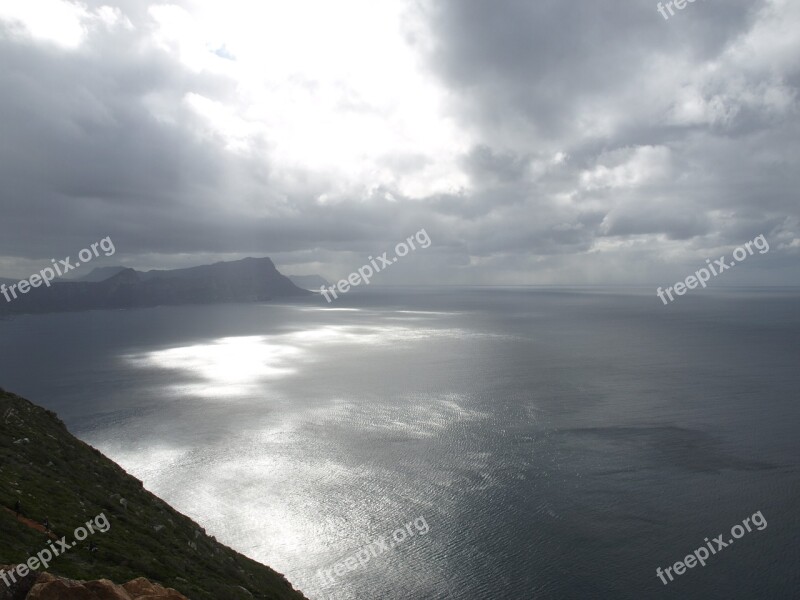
(325,86)
(59,22)
(55,21)
(628,167)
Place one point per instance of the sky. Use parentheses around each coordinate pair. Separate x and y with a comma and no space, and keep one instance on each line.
(536,141)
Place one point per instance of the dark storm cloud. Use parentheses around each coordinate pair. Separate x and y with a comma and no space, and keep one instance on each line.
(97,141)
(598,81)
(539,64)
(81,151)
(603,140)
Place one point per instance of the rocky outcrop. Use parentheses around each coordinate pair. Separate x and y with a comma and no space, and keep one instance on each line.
(44,586)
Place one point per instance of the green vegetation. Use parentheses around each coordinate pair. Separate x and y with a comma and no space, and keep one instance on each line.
(55,475)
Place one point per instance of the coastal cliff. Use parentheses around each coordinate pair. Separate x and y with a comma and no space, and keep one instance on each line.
(246,280)
(52,484)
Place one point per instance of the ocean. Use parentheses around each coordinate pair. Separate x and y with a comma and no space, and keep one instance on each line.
(556,443)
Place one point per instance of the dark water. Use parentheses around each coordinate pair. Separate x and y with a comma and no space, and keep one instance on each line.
(558,443)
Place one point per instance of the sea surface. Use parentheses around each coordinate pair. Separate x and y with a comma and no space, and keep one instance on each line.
(558,443)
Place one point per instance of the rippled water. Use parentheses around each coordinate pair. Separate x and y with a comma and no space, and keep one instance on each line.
(558,443)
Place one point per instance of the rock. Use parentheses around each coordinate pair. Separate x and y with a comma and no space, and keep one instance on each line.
(106,590)
(17,590)
(50,587)
(59,590)
(142,589)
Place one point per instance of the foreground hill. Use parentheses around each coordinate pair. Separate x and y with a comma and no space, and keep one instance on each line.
(246,280)
(58,478)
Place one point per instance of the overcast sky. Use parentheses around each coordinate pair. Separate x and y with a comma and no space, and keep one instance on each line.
(536,141)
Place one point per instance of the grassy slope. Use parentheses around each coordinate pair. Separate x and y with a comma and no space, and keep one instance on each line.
(56,475)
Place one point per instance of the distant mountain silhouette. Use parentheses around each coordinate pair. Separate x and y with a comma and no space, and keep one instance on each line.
(246,280)
(100,274)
